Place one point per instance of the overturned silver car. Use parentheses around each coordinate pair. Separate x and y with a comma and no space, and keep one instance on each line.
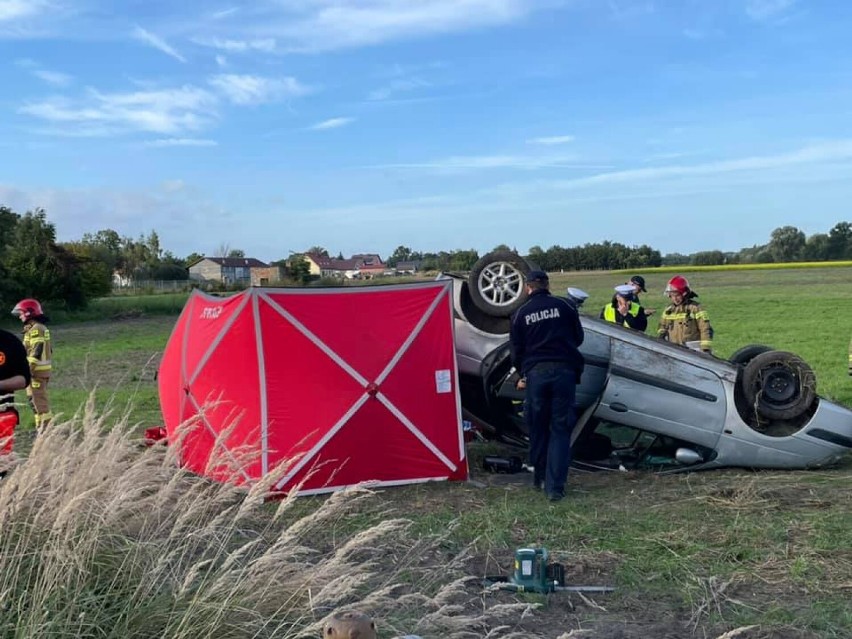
(644,403)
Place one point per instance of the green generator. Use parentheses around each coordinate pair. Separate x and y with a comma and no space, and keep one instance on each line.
(534,572)
(531,571)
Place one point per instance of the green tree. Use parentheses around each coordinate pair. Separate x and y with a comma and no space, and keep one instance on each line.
(675,259)
(708,258)
(299,269)
(39,267)
(461,260)
(816,248)
(191,259)
(93,262)
(840,241)
(318,250)
(786,244)
(8,222)
(538,257)
(400,254)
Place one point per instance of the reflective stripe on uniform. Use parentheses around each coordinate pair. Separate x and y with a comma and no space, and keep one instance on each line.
(37,342)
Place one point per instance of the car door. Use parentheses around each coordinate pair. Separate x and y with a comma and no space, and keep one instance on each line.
(663,389)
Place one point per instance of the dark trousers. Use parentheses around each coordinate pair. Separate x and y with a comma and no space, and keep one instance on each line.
(550,416)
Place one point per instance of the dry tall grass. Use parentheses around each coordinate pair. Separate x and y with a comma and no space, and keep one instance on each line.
(100,538)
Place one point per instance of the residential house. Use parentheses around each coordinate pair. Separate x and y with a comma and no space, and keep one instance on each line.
(409,268)
(264,276)
(231,270)
(370,265)
(323,266)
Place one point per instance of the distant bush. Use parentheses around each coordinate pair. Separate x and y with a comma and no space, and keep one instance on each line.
(742,267)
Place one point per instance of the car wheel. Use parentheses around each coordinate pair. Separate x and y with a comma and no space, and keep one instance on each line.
(496,283)
(747,353)
(779,385)
(479,319)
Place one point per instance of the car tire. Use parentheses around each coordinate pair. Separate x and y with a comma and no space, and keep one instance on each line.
(779,385)
(747,353)
(496,283)
(479,319)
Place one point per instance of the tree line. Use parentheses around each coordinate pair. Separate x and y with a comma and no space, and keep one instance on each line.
(786,244)
(34,264)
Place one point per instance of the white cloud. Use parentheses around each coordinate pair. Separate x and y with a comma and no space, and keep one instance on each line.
(53,78)
(166,111)
(221,60)
(170,142)
(404,85)
(265,45)
(15,9)
(157,42)
(323,25)
(332,123)
(173,186)
(486,162)
(765,10)
(551,140)
(831,151)
(224,13)
(253,89)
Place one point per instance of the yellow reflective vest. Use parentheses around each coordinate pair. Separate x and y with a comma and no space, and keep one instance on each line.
(609,313)
(39,351)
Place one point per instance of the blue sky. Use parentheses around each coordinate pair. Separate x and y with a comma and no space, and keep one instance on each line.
(275,125)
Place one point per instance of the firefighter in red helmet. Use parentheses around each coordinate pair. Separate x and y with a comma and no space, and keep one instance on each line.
(684,322)
(39,353)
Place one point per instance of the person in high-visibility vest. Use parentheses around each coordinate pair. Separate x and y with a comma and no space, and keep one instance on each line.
(624,310)
(684,322)
(638,284)
(39,353)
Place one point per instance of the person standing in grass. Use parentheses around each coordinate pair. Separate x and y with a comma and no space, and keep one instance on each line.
(14,369)
(638,284)
(684,322)
(545,336)
(14,375)
(624,310)
(39,353)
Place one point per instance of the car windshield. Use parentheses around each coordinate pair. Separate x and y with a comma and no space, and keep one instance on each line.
(612,445)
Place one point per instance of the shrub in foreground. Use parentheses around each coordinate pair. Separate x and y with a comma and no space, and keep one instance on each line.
(101,538)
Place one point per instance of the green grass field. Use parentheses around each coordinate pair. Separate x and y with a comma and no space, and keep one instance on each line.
(690,555)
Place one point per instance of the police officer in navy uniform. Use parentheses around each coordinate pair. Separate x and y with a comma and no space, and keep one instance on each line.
(545,337)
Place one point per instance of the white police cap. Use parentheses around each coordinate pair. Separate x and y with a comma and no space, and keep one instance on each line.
(577,294)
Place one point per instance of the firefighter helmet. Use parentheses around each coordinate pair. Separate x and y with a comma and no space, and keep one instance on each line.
(27,308)
(678,284)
